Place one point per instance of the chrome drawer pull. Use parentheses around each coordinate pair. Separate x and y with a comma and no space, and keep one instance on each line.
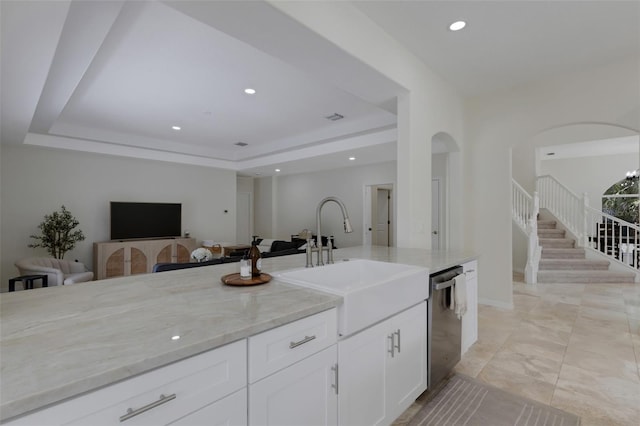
(132,413)
(335,371)
(301,342)
(393,344)
(397,333)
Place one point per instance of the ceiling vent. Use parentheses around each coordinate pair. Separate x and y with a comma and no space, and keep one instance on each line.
(241,144)
(335,117)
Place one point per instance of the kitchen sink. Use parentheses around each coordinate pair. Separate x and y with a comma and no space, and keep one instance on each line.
(371,290)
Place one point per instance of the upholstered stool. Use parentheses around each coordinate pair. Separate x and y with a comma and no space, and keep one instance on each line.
(27,280)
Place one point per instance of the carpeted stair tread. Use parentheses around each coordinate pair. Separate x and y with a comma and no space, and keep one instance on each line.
(557,242)
(573,264)
(546,224)
(562,253)
(551,233)
(585,277)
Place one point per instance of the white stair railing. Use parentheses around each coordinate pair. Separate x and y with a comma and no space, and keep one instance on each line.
(612,236)
(525,209)
(566,206)
(594,229)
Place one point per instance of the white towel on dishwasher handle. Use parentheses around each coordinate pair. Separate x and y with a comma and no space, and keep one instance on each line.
(460,295)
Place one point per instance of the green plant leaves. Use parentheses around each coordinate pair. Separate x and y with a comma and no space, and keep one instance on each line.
(58,234)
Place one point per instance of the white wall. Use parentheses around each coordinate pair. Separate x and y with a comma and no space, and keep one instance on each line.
(264,206)
(593,175)
(496,123)
(37,181)
(298,197)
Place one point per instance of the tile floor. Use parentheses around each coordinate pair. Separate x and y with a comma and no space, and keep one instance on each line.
(573,346)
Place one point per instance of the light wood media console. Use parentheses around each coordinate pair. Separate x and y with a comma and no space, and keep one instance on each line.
(121,258)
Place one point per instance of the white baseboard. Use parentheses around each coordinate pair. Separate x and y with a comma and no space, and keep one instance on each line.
(495,303)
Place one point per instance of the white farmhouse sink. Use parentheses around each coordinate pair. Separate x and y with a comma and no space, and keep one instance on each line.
(371,290)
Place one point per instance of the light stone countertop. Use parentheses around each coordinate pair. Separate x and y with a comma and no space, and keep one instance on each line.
(60,342)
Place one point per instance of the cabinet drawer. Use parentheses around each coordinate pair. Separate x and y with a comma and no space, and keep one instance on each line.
(195,382)
(277,348)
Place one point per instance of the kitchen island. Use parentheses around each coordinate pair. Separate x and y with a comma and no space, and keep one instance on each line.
(61,342)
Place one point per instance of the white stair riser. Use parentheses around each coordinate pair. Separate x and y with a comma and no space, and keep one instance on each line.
(573,265)
(584,277)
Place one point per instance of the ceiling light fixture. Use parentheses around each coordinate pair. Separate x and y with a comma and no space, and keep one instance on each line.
(250,91)
(176,127)
(277,170)
(457,26)
(551,153)
(352,158)
(241,144)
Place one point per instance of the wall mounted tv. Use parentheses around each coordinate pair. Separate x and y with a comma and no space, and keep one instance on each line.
(145,220)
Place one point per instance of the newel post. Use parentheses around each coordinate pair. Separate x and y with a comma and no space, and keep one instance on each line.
(585,224)
(533,248)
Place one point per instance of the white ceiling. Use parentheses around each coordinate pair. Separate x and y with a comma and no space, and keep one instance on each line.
(114,76)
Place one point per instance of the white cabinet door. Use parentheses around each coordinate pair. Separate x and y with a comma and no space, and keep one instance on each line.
(383,369)
(470,319)
(229,411)
(301,394)
(407,371)
(362,360)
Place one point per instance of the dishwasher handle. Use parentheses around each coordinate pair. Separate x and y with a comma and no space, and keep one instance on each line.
(442,286)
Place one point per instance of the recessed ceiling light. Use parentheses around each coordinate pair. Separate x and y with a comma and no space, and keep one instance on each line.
(457,26)
(277,170)
(551,153)
(175,337)
(241,143)
(250,91)
(352,158)
(176,127)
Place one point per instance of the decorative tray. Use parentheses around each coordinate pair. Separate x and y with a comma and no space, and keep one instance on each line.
(234,279)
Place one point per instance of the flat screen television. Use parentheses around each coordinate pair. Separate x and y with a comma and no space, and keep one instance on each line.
(145,220)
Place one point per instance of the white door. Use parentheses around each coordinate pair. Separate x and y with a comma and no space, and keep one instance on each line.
(244,225)
(368,227)
(435,214)
(302,394)
(383,217)
(362,392)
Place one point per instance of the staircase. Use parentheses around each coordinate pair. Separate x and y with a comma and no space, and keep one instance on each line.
(562,262)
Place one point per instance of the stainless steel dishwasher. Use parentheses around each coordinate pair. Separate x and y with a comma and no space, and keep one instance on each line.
(444,327)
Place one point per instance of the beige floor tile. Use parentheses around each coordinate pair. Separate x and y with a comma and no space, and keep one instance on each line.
(603,302)
(519,384)
(537,367)
(528,328)
(604,318)
(593,410)
(535,343)
(616,346)
(611,397)
(562,298)
(582,357)
(525,302)
(634,326)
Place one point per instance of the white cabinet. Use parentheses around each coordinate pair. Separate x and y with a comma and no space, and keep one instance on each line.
(383,369)
(293,373)
(229,411)
(158,397)
(470,319)
(301,394)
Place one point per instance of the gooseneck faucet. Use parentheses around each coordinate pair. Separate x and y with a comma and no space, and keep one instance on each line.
(319,248)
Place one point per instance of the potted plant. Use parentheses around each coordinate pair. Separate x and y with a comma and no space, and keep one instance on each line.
(58,234)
